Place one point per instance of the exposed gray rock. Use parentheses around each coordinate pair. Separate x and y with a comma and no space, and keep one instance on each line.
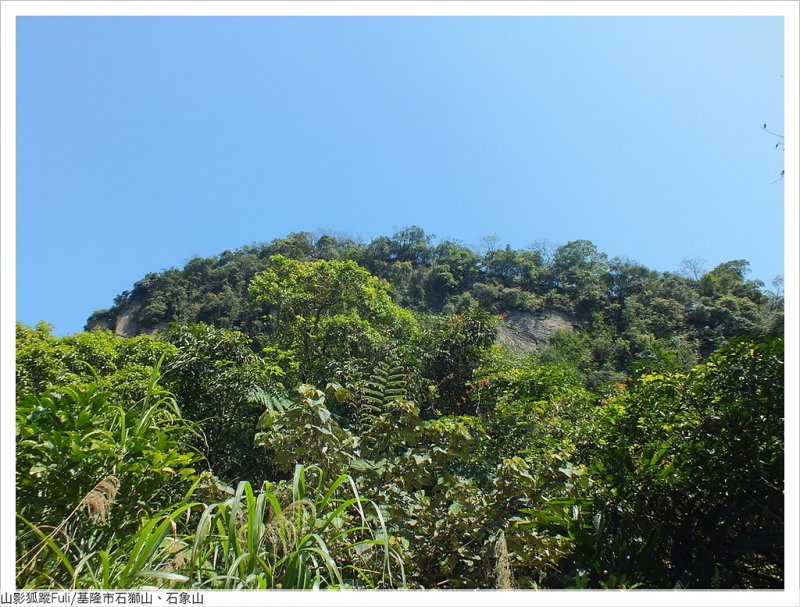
(524,332)
(126,326)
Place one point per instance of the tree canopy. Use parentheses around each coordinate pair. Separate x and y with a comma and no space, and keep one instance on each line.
(324,413)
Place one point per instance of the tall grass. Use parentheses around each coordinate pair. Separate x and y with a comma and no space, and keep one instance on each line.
(312,538)
(292,537)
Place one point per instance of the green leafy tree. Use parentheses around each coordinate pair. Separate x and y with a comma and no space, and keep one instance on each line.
(454,346)
(331,317)
(729,305)
(120,366)
(304,431)
(578,271)
(215,375)
(692,464)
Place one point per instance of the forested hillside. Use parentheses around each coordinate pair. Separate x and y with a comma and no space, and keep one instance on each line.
(624,313)
(321,412)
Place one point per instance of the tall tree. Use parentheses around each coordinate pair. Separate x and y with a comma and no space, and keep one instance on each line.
(327,317)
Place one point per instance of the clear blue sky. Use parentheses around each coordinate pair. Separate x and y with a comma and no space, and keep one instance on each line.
(144,141)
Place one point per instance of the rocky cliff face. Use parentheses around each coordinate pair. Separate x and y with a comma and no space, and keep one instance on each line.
(126,326)
(524,332)
(122,322)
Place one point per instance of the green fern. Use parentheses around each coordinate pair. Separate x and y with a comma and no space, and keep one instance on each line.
(273,403)
(387,384)
(384,387)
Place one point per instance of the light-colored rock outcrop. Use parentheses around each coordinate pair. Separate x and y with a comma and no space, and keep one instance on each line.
(524,332)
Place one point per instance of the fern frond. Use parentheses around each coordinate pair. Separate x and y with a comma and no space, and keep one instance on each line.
(271,401)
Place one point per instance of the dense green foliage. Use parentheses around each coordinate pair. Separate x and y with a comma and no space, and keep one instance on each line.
(627,312)
(324,413)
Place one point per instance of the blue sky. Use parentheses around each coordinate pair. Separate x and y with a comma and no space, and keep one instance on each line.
(144,141)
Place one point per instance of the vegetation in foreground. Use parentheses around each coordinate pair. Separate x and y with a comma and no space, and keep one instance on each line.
(318,413)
